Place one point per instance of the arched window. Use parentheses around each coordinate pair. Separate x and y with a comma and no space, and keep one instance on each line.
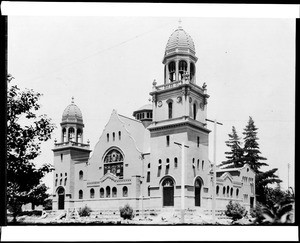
(101,192)
(198,142)
(125,191)
(237,192)
(64,134)
(79,136)
(231,191)
(198,164)
(149,166)
(172,68)
(71,134)
(65,182)
(148,176)
(80,194)
(182,69)
(107,191)
(114,162)
(56,182)
(227,191)
(148,191)
(80,175)
(60,182)
(119,135)
(217,190)
(194,111)
(170,110)
(224,190)
(107,137)
(168,140)
(193,163)
(114,192)
(92,193)
(192,72)
(167,165)
(159,167)
(202,164)
(114,136)
(175,162)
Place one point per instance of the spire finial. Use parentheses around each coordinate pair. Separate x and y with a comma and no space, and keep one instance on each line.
(72,99)
(179,23)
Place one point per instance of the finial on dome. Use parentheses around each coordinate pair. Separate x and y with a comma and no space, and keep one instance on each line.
(72,100)
(179,24)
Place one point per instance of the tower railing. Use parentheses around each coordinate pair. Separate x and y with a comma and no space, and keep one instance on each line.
(71,143)
(169,85)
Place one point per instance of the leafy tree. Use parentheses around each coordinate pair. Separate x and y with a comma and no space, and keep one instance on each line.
(251,147)
(235,210)
(277,209)
(235,156)
(23,145)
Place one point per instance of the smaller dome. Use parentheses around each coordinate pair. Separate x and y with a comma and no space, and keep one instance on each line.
(72,114)
(145,107)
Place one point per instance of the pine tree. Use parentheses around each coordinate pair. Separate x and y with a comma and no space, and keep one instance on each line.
(251,148)
(235,156)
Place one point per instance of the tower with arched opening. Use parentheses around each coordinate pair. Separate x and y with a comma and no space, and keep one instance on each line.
(70,150)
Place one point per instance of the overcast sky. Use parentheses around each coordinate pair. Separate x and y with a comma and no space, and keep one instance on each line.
(109,63)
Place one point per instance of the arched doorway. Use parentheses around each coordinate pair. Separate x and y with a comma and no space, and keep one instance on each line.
(198,185)
(61,198)
(168,192)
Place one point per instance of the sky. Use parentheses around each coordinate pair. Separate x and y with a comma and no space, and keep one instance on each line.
(110,62)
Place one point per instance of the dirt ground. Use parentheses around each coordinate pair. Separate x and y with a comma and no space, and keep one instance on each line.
(165,218)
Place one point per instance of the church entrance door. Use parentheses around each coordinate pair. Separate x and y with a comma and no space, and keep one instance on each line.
(168,193)
(61,198)
(197,193)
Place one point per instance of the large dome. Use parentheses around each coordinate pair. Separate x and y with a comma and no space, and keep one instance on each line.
(180,41)
(72,114)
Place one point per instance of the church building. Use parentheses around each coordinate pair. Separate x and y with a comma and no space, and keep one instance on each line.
(155,159)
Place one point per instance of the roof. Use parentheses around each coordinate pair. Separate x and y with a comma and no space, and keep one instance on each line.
(138,132)
(72,114)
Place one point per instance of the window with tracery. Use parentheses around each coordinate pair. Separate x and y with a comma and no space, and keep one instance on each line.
(113,163)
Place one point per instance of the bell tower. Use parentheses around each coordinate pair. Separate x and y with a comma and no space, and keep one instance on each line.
(179,117)
(67,152)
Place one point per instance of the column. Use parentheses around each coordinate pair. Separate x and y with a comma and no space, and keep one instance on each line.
(176,70)
(76,138)
(167,74)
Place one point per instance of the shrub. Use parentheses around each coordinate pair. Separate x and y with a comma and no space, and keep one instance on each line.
(84,212)
(235,211)
(126,212)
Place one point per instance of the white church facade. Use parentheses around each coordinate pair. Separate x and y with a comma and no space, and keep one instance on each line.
(139,160)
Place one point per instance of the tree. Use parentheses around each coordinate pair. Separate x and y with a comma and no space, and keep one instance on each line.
(251,148)
(235,156)
(23,145)
(252,158)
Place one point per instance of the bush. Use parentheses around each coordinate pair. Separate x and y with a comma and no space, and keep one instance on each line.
(126,212)
(235,211)
(84,212)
